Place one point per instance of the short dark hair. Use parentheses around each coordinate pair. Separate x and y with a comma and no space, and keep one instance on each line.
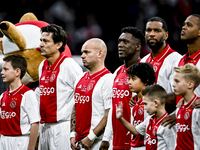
(144,71)
(196,15)
(17,61)
(155,92)
(137,33)
(59,35)
(164,24)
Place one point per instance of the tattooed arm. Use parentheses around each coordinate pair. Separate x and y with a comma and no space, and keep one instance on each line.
(73,129)
(73,120)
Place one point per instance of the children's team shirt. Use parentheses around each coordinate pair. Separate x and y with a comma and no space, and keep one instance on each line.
(121,92)
(19,109)
(158,137)
(163,65)
(57,89)
(188,126)
(139,115)
(93,95)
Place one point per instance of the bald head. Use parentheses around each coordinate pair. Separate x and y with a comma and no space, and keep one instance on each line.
(93,54)
(97,44)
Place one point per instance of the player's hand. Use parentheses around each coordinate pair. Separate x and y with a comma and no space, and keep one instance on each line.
(196,104)
(132,102)
(86,143)
(170,119)
(119,110)
(104,145)
(73,144)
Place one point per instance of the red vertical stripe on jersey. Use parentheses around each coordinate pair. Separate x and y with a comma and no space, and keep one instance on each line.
(184,126)
(83,102)
(48,93)
(10,111)
(151,132)
(138,115)
(121,92)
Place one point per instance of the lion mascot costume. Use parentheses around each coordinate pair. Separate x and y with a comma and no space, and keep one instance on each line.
(24,38)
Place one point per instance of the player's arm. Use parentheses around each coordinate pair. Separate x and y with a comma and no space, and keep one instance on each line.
(97,131)
(33,136)
(126,124)
(73,129)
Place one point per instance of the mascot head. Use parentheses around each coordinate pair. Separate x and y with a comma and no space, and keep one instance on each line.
(24,38)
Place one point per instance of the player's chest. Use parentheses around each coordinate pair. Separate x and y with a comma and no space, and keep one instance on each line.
(11,103)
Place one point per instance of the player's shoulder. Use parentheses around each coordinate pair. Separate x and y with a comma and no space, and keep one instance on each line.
(145,58)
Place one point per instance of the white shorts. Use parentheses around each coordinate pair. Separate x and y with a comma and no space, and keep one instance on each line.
(55,136)
(14,142)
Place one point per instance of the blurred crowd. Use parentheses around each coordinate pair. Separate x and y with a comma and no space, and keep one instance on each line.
(84,19)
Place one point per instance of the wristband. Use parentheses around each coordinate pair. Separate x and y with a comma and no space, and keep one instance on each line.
(72,134)
(92,136)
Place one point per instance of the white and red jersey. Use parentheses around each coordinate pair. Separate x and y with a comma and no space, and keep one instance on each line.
(163,65)
(57,89)
(121,92)
(188,126)
(93,95)
(158,137)
(139,115)
(19,109)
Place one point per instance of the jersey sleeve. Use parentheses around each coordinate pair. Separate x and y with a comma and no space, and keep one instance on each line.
(169,137)
(71,71)
(141,128)
(31,107)
(106,91)
(108,130)
(196,127)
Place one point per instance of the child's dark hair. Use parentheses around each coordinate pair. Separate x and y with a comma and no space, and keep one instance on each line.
(155,92)
(144,71)
(17,61)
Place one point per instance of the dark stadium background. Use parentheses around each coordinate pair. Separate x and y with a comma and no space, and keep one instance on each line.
(84,19)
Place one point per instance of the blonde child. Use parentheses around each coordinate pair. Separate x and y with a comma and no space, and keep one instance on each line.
(186,79)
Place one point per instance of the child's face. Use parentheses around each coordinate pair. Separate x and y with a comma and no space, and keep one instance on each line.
(180,84)
(8,73)
(149,105)
(135,84)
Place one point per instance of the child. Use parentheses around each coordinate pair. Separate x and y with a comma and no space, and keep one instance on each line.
(141,75)
(186,79)
(18,106)
(157,136)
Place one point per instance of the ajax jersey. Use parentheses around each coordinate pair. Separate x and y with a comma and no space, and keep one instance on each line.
(163,65)
(139,115)
(188,127)
(158,137)
(19,109)
(57,89)
(121,92)
(93,95)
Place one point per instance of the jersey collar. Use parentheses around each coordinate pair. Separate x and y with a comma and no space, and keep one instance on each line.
(13,93)
(192,57)
(162,54)
(190,103)
(56,63)
(93,76)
